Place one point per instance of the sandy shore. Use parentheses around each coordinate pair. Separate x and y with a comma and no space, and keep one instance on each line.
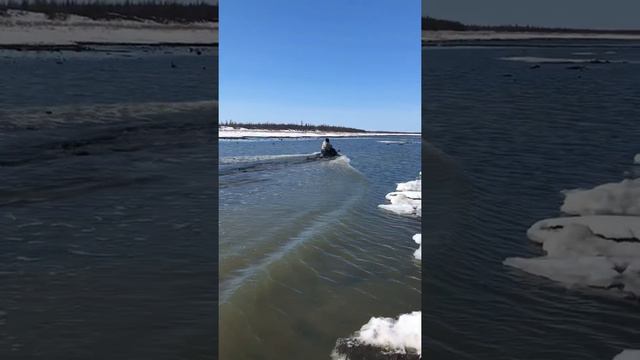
(34,29)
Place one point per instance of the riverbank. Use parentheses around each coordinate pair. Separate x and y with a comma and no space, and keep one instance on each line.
(226,132)
(33,30)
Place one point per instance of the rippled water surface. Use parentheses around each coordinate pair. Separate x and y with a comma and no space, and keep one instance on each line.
(306,256)
(507,137)
(108,204)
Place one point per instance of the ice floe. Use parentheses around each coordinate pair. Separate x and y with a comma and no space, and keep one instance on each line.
(384,338)
(628,355)
(406,200)
(418,239)
(612,198)
(600,247)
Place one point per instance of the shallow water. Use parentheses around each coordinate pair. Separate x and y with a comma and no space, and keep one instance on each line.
(306,256)
(506,140)
(106,205)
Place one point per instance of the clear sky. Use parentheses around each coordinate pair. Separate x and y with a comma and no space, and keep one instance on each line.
(351,63)
(603,14)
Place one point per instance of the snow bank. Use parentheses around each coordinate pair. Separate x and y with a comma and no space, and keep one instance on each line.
(599,248)
(33,28)
(628,355)
(227,132)
(612,198)
(384,336)
(449,35)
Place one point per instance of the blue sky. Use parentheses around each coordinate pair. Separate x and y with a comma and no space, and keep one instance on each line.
(605,14)
(340,62)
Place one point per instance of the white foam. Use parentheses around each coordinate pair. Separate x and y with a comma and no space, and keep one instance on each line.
(418,239)
(613,198)
(402,335)
(628,355)
(257,158)
(636,159)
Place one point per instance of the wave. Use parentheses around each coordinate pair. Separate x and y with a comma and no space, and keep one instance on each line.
(344,187)
(550,60)
(246,164)
(56,116)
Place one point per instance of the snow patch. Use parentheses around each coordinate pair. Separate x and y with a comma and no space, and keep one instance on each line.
(227,132)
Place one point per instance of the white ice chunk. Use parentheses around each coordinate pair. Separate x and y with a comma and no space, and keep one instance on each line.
(621,198)
(595,271)
(607,226)
(418,239)
(628,355)
(408,194)
(402,209)
(402,335)
(406,200)
(415,185)
(598,251)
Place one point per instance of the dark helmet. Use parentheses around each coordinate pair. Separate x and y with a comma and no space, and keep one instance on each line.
(326,139)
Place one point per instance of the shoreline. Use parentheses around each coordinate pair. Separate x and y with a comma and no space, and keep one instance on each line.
(456,38)
(28,30)
(93,46)
(245,134)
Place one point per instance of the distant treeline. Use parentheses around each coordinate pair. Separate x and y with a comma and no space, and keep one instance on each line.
(429,23)
(301,126)
(161,11)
